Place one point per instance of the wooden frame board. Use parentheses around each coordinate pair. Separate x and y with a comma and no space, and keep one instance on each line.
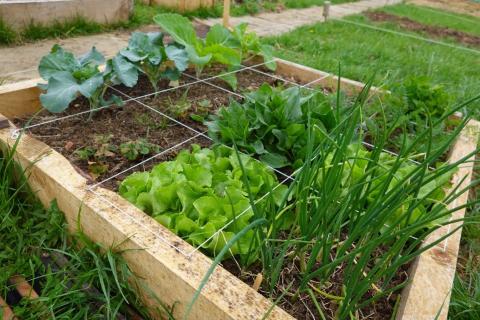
(168,274)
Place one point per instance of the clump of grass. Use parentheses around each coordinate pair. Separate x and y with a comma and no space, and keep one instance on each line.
(59,29)
(93,283)
(7,34)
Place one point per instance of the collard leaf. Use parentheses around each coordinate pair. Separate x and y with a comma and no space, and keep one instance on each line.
(218,34)
(62,89)
(178,27)
(126,72)
(93,57)
(57,61)
(178,56)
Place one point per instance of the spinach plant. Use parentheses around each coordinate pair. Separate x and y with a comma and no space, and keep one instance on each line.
(273,124)
(202,191)
(68,77)
(220,46)
(151,57)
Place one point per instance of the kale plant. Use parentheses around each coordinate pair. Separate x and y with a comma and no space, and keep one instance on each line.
(151,57)
(68,77)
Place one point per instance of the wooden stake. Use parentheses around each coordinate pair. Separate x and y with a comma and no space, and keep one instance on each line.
(326,10)
(226,13)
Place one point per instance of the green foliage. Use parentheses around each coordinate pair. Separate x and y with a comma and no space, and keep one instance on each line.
(7,34)
(357,160)
(411,107)
(221,45)
(133,150)
(68,76)
(272,123)
(200,192)
(421,97)
(31,236)
(148,53)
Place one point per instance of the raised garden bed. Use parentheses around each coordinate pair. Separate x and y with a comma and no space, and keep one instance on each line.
(138,128)
(173,269)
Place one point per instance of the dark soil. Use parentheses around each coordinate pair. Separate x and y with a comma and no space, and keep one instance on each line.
(303,307)
(434,31)
(144,118)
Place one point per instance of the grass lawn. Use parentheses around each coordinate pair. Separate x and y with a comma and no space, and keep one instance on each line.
(389,58)
(90,284)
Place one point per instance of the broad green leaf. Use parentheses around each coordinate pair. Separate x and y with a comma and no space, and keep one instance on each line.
(92,57)
(217,34)
(57,61)
(62,89)
(178,56)
(275,160)
(178,27)
(126,72)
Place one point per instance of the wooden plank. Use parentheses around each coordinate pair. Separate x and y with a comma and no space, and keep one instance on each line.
(153,253)
(432,273)
(23,287)
(6,311)
(321,78)
(20,99)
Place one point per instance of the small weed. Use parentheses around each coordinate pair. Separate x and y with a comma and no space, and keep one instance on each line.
(133,150)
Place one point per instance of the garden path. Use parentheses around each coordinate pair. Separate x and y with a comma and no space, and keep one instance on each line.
(20,62)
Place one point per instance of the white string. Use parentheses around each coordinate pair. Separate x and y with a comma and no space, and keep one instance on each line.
(409,36)
(139,97)
(147,160)
(192,129)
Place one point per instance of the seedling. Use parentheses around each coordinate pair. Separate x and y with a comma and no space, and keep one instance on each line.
(132,150)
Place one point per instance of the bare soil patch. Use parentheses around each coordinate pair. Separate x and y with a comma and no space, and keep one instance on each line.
(433,31)
(134,122)
(458,6)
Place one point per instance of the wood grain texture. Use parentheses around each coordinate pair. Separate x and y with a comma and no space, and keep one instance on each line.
(20,98)
(433,272)
(152,251)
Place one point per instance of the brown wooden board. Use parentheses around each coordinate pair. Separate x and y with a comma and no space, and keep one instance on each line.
(428,294)
(157,255)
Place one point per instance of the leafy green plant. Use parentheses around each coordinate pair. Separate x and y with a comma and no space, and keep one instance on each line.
(151,57)
(68,77)
(362,212)
(272,123)
(202,192)
(221,45)
(132,150)
(411,107)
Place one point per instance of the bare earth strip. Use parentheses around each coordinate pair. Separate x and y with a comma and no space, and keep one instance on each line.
(459,6)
